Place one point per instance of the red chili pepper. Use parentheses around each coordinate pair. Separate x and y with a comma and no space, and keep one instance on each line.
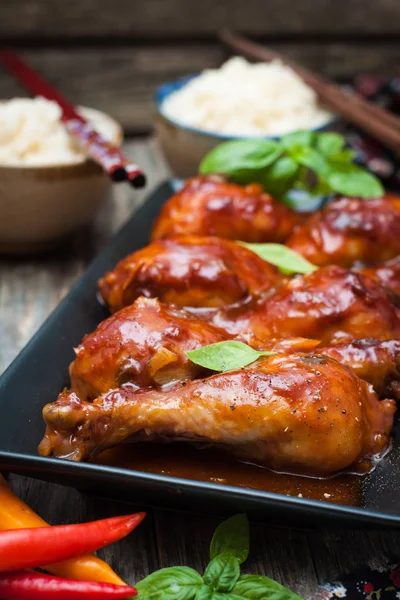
(31,548)
(23,585)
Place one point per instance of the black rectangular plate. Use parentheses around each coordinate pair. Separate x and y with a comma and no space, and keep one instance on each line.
(41,371)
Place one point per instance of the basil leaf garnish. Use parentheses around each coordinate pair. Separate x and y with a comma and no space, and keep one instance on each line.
(232,537)
(174,583)
(285,165)
(222,573)
(258,587)
(241,159)
(287,260)
(351,180)
(225,356)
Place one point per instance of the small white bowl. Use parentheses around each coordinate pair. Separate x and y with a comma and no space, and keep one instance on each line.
(39,205)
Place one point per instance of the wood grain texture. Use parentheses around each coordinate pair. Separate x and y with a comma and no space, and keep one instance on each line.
(172,18)
(29,288)
(122,80)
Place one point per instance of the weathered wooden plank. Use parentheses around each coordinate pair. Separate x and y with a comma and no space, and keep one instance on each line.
(155,18)
(122,80)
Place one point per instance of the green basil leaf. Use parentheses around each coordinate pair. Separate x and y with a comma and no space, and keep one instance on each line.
(174,583)
(222,573)
(279,177)
(329,143)
(257,587)
(232,537)
(298,138)
(310,158)
(287,260)
(352,180)
(241,159)
(225,356)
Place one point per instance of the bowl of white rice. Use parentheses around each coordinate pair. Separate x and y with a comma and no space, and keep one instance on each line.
(49,187)
(238,100)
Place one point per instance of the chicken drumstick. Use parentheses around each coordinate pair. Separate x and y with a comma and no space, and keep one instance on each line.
(189,271)
(329,304)
(350,230)
(210,205)
(144,345)
(303,412)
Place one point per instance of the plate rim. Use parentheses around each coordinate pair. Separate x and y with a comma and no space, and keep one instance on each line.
(78,468)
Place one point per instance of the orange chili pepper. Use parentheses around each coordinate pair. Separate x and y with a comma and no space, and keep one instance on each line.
(15,514)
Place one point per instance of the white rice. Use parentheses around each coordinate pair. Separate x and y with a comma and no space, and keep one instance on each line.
(244,99)
(32,134)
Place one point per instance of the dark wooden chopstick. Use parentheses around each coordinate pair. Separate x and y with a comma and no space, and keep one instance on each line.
(373,119)
(106,154)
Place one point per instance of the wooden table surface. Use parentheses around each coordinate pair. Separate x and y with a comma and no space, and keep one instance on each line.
(30,287)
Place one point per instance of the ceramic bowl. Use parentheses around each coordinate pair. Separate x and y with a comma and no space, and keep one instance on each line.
(183,146)
(40,205)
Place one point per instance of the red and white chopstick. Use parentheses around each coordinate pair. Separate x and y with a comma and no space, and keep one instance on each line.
(107,155)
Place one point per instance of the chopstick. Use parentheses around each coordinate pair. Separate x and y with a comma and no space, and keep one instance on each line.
(106,154)
(373,119)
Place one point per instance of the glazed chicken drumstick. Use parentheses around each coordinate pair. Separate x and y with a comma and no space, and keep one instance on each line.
(303,412)
(349,230)
(144,344)
(189,271)
(210,205)
(329,304)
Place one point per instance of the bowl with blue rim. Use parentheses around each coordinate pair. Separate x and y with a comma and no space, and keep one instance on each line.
(184,146)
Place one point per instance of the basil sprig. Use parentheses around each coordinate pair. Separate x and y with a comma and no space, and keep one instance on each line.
(232,537)
(222,579)
(286,164)
(225,356)
(287,260)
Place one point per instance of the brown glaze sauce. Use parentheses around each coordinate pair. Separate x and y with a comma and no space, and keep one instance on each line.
(210,465)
